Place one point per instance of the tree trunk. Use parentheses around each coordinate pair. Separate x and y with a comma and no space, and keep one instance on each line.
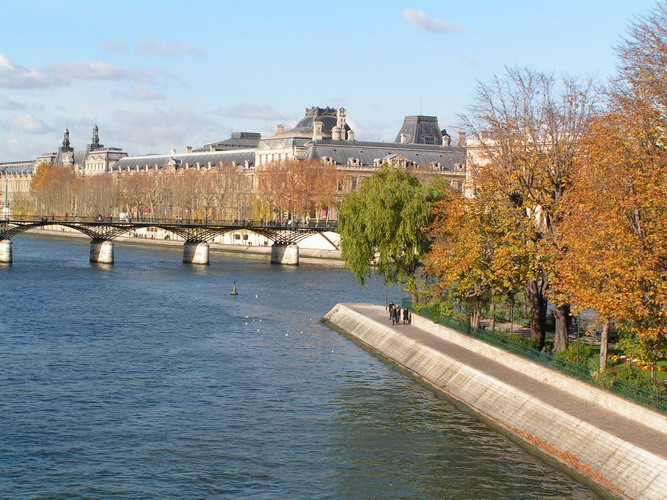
(604,345)
(511,312)
(476,317)
(537,310)
(562,314)
(492,311)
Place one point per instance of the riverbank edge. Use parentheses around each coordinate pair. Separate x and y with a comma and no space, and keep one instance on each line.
(609,465)
(308,256)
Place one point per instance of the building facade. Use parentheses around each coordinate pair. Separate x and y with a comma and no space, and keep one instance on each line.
(322,135)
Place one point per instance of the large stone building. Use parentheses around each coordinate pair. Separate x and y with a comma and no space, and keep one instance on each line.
(323,135)
(95,159)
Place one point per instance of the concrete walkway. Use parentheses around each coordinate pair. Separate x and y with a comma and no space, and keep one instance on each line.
(642,436)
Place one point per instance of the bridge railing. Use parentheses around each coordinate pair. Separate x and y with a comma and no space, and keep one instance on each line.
(241,223)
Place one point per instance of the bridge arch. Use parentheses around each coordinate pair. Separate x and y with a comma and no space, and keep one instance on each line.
(196,236)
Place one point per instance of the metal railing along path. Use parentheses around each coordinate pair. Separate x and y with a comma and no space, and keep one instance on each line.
(645,397)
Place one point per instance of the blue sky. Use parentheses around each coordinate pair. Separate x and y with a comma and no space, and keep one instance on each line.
(162,75)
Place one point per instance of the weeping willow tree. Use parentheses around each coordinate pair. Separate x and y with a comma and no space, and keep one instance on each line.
(381,226)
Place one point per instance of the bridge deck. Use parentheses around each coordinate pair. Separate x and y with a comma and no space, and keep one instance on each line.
(192,230)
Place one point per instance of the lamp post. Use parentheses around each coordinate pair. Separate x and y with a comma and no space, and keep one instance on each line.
(5,208)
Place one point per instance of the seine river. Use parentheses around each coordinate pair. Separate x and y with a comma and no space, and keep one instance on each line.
(146,379)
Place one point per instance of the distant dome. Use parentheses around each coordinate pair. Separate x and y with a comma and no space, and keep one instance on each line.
(327,116)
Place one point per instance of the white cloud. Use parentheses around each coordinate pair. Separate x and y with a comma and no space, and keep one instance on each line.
(99,70)
(473,63)
(113,45)
(30,124)
(162,128)
(159,48)
(18,148)
(15,76)
(140,94)
(58,75)
(253,112)
(358,128)
(90,70)
(419,19)
(7,103)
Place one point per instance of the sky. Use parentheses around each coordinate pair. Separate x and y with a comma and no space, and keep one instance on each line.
(157,75)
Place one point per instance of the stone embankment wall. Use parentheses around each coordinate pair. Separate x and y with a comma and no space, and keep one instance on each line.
(619,467)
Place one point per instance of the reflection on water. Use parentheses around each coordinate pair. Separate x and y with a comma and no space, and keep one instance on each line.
(147,379)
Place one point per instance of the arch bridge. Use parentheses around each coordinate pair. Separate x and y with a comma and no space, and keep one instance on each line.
(196,235)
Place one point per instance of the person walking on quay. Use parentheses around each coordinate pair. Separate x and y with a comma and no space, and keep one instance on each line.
(405,315)
(397,314)
(391,308)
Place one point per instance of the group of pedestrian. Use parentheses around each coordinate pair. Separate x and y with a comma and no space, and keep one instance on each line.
(398,313)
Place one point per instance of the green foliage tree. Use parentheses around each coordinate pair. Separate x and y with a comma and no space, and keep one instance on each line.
(381,226)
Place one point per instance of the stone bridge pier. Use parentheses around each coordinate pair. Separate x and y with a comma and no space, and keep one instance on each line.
(101,251)
(195,252)
(285,253)
(6,251)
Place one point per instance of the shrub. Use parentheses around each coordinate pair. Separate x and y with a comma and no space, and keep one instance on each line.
(520,339)
(581,354)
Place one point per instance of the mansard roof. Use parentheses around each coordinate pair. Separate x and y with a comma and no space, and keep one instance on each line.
(366,153)
(17,167)
(236,141)
(239,157)
(328,117)
(421,130)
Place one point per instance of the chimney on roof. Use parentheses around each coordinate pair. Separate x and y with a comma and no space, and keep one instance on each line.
(280,128)
(404,138)
(446,139)
(350,135)
(340,118)
(173,151)
(317,131)
(211,147)
(336,133)
(188,149)
(462,139)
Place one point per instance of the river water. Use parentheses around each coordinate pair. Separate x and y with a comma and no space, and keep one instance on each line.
(146,379)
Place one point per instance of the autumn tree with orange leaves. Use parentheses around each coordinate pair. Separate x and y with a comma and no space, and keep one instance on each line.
(526,131)
(472,251)
(51,189)
(614,231)
(297,187)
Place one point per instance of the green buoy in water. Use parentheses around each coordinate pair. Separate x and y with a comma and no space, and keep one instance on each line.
(234,292)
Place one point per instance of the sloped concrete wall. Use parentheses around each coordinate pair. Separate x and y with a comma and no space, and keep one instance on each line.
(543,374)
(622,468)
